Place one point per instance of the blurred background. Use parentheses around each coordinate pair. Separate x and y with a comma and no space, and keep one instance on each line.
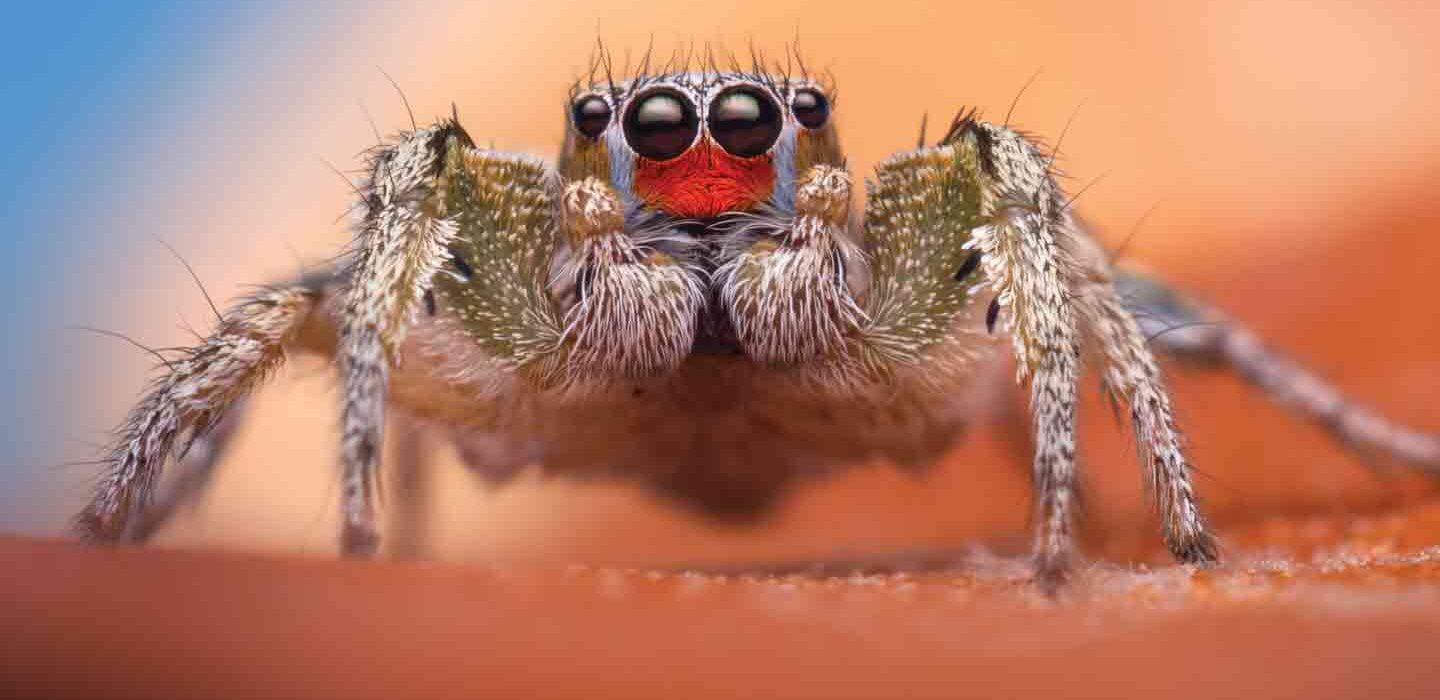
(1286,152)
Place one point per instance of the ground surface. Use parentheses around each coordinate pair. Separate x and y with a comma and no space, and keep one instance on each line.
(1352,610)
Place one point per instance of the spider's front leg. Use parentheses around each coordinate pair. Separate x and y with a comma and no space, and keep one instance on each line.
(1030,247)
(495,223)
(1023,261)
(983,206)
(401,243)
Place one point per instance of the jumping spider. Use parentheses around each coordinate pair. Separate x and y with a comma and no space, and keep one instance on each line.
(688,298)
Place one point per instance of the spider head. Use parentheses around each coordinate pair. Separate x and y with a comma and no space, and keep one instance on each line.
(697,145)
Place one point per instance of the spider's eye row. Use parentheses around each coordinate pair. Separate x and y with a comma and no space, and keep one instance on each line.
(811,108)
(591,115)
(744,121)
(661,125)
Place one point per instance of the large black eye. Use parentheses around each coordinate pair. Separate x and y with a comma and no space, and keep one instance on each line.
(744,121)
(811,108)
(661,125)
(591,115)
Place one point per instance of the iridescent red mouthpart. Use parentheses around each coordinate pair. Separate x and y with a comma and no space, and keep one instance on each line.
(704,182)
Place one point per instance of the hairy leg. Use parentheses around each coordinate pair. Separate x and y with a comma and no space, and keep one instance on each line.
(1022,263)
(398,248)
(192,473)
(1047,294)
(491,221)
(195,394)
(1131,372)
(1205,336)
(982,202)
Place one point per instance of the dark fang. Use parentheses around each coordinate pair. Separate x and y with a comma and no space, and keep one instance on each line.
(992,315)
(430,301)
(968,267)
(459,261)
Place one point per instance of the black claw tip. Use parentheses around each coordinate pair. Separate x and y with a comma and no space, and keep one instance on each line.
(430,302)
(992,315)
(1202,550)
(358,541)
(1053,575)
(93,528)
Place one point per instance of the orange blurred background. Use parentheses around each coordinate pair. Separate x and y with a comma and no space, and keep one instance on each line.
(1286,147)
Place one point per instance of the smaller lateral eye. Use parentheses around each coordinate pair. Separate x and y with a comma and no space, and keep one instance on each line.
(591,115)
(811,108)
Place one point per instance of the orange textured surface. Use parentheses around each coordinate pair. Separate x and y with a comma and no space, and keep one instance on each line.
(1357,621)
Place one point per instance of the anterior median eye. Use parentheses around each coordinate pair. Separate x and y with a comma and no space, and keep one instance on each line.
(661,125)
(744,121)
(811,108)
(591,115)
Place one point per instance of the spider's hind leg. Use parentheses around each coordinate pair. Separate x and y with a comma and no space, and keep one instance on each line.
(1132,374)
(1204,336)
(188,413)
(190,476)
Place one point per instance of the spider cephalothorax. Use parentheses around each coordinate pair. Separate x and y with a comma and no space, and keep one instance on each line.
(689,299)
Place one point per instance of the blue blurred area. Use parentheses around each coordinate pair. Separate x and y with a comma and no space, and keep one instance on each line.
(78,78)
(75,80)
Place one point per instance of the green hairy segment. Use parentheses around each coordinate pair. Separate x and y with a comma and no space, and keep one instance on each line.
(500,257)
(919,215)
